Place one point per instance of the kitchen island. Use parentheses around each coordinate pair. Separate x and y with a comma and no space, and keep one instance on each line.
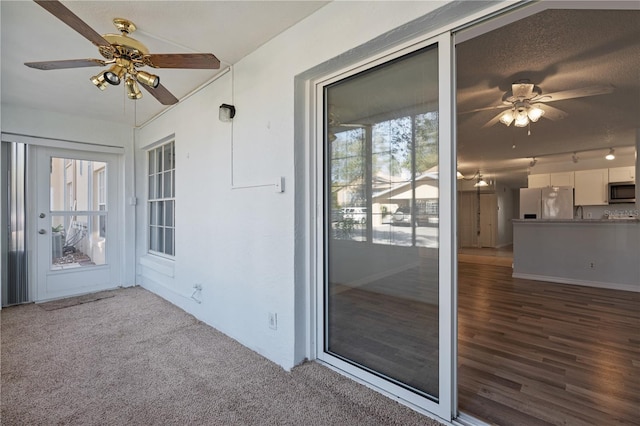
(593,252)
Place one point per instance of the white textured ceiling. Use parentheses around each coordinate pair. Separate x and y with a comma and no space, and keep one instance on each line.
(557,50)
(228,29)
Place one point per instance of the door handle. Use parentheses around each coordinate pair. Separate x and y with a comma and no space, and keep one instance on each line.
(42,232)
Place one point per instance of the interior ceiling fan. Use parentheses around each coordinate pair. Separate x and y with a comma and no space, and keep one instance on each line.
(526,103)
(125,56)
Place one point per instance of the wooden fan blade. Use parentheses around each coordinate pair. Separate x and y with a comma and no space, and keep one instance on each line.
(552,113)
(70,63)
(576,93)
(182,60)
(60,11)
(161,94)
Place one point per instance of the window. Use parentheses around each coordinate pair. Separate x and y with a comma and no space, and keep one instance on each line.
(162,199)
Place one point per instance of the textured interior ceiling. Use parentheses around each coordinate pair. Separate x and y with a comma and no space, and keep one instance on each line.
(557,50)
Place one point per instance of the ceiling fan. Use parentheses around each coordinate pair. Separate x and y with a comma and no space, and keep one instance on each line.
(526,103)
(125,56)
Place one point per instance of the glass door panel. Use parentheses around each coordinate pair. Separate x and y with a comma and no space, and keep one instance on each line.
(78,206)
(382,193)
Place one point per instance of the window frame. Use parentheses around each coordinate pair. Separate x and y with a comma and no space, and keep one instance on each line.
(157,169)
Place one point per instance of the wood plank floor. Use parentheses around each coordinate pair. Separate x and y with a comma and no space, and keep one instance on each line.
(534,353)
(530,353)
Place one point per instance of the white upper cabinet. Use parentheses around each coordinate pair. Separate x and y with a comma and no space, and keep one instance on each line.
(544,180)
(591,187)
(622,174)
(539,181)
(562,179)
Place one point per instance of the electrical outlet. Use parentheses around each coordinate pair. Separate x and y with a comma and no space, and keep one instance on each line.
(273,321)
(589,215)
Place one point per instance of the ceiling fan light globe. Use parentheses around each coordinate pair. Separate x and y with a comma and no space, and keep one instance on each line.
(507,118)
(521,121)
(535,113)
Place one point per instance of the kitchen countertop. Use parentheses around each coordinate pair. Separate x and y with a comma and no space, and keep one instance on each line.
(578,221)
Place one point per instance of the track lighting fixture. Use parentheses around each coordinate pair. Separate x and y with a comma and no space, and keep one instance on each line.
(574,158)
(481,182)
(533,162)
(611,155)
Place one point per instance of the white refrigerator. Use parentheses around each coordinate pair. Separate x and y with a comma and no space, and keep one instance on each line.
(546,203)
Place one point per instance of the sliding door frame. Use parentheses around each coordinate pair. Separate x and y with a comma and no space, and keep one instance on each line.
(443,405)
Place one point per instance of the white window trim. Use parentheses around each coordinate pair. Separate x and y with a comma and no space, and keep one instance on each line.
(157,145)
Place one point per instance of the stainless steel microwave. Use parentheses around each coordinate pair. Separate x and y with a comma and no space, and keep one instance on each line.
(622,192)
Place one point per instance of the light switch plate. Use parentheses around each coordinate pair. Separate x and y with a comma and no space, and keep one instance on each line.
(279,184)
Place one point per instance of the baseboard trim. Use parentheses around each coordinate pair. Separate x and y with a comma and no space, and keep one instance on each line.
(572,281)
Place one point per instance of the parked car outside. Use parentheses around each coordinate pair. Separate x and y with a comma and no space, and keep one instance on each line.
(404,216)
(356,214)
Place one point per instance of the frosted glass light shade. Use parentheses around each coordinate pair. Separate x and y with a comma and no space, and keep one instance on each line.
(535,113)
(507,118)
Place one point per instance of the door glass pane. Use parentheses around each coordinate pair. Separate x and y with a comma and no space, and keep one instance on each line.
(382,192)
(76,241)
(79,211)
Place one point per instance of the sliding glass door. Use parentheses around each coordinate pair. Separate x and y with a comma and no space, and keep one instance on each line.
(386,297)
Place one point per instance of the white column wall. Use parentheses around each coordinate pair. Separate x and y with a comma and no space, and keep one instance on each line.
(239,243)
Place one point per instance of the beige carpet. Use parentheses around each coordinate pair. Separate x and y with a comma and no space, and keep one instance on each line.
(135,359)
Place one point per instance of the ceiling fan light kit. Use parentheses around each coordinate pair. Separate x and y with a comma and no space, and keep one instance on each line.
(124,55)
(114,74)
(99,81)
(526,104)
(133,92)
(150,80)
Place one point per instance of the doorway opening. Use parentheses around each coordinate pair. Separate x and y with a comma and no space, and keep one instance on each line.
(531,341)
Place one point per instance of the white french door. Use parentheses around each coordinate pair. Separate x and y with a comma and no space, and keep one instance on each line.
(385,293)
(75,224)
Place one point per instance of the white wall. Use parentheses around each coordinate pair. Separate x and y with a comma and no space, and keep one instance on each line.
(506,212)
(58,125)
(239,243)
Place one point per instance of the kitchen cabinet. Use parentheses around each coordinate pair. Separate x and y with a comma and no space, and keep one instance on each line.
(543,180)
(539,181)
(591,187)
(622,174)
(562,179)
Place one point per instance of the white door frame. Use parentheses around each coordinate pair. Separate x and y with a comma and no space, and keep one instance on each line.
(443,407)
(106,276)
